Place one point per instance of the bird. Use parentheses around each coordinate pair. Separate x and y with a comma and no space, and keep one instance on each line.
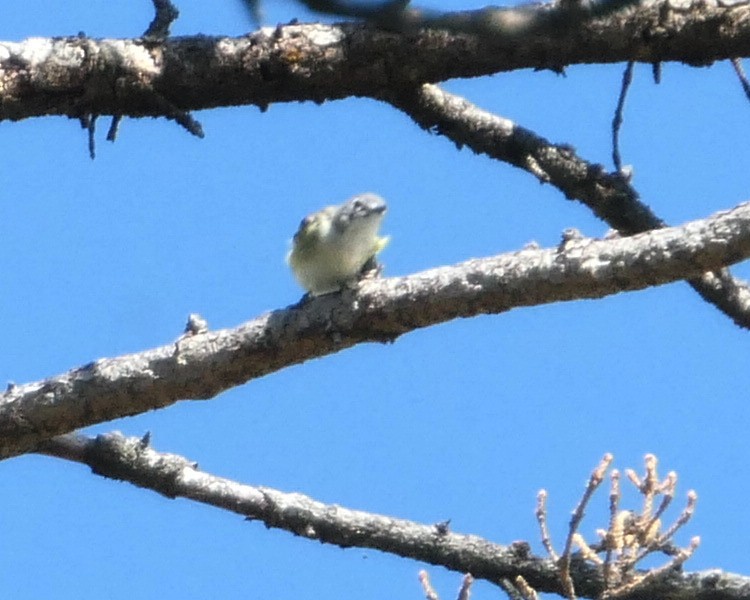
(337,245)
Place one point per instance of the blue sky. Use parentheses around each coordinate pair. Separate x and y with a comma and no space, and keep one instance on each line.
(464,421)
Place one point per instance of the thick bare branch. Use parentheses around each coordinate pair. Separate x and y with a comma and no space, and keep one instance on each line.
(77,75)
(132,460)
(609,195)
(203,365)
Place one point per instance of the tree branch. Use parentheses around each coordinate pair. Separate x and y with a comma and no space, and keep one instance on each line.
(132,460)
(74,76)
(609,195)
(203,365)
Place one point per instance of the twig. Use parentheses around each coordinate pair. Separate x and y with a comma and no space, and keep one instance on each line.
(656,69)
(166,14)
(627,80)
(541,517)
(610,537)
(113,128)
(255,10)
(595,480)
(684,517)
(91,128)
(667,490)
(528,592)
(737,64)
(513,591)
(429,591)
(464,592)
(171,111)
